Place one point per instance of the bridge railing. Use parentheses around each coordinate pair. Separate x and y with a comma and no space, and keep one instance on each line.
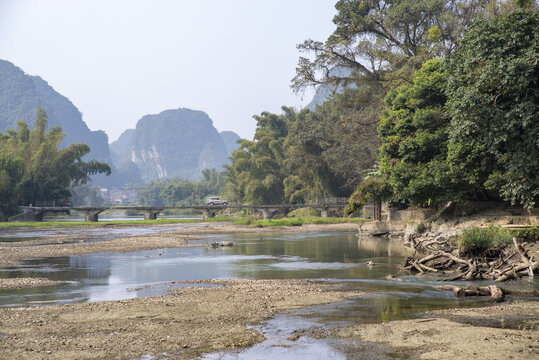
(45,203)
(332,201)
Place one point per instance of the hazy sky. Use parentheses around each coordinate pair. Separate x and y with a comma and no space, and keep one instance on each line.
(118,60)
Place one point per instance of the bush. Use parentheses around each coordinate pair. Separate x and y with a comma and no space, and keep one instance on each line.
(421,227)
(476,240)
(303,212)
(529,234)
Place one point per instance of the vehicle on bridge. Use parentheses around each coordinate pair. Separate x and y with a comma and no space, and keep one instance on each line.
(214,200)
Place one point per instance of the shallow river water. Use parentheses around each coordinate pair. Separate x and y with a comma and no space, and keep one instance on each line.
(339,258)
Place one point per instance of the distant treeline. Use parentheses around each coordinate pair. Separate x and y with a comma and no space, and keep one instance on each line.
(177,192)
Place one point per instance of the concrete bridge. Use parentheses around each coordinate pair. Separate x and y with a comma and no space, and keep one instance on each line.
(35,213)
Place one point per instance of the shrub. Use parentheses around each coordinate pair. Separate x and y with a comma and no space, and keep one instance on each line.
(302,212)
(529,234)
(421,227)
(476,240)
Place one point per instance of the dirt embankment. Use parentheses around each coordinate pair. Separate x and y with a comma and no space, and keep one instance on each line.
(194,320)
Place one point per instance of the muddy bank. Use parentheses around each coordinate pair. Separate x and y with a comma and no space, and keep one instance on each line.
(460,333)
(22,283)
(74,244)
(192,321)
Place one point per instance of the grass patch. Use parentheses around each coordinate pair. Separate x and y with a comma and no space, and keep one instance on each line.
(67,224)
(476,240)
(297,221)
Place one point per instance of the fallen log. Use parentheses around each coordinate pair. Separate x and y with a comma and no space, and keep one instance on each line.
(495,292)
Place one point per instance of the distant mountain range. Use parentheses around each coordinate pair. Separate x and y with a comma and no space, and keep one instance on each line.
(179,142)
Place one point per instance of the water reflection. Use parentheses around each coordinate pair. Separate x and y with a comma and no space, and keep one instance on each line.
(331,257)
(111,276)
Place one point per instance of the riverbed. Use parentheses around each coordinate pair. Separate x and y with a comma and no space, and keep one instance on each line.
(343,275)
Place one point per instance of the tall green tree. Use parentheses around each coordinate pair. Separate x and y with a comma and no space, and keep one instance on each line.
(33,167)
(414,134)
(328,149)
(257,171)
(493,100)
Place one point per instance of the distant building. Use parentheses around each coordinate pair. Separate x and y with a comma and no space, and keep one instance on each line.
(119,196)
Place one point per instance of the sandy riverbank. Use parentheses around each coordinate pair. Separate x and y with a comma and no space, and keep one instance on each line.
(194,320)
(460,333)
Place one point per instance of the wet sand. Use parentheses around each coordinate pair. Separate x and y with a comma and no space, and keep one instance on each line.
(21,283)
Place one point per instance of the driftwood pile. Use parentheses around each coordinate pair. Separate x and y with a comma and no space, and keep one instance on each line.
(501,267)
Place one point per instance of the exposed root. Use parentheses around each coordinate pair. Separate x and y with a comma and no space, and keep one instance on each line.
(503,267)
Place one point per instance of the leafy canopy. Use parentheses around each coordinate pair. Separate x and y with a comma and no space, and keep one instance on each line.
(32,167)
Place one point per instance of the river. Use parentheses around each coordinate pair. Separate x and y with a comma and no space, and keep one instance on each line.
(336,258)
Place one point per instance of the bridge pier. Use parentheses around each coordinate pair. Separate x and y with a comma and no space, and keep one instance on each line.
(208,213)
(151,215)
(267,213)
(92,214)
(324,212)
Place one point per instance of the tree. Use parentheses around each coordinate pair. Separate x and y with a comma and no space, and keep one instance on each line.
(328,149)
(414,135)
(385,41)
(493,99)
(32,167)
(257,171)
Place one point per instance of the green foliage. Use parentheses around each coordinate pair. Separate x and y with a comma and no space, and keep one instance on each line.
(414,136)
(385,40)
(257,171)
(303,212)
(372,189)
(528,234)
(177,192)
(493,100)
(328,149)
(475,240)
(32,167)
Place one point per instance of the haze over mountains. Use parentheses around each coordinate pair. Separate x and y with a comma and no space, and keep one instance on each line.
(179,142)
(174,143)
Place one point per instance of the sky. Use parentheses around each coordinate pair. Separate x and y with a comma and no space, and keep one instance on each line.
(118,60)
